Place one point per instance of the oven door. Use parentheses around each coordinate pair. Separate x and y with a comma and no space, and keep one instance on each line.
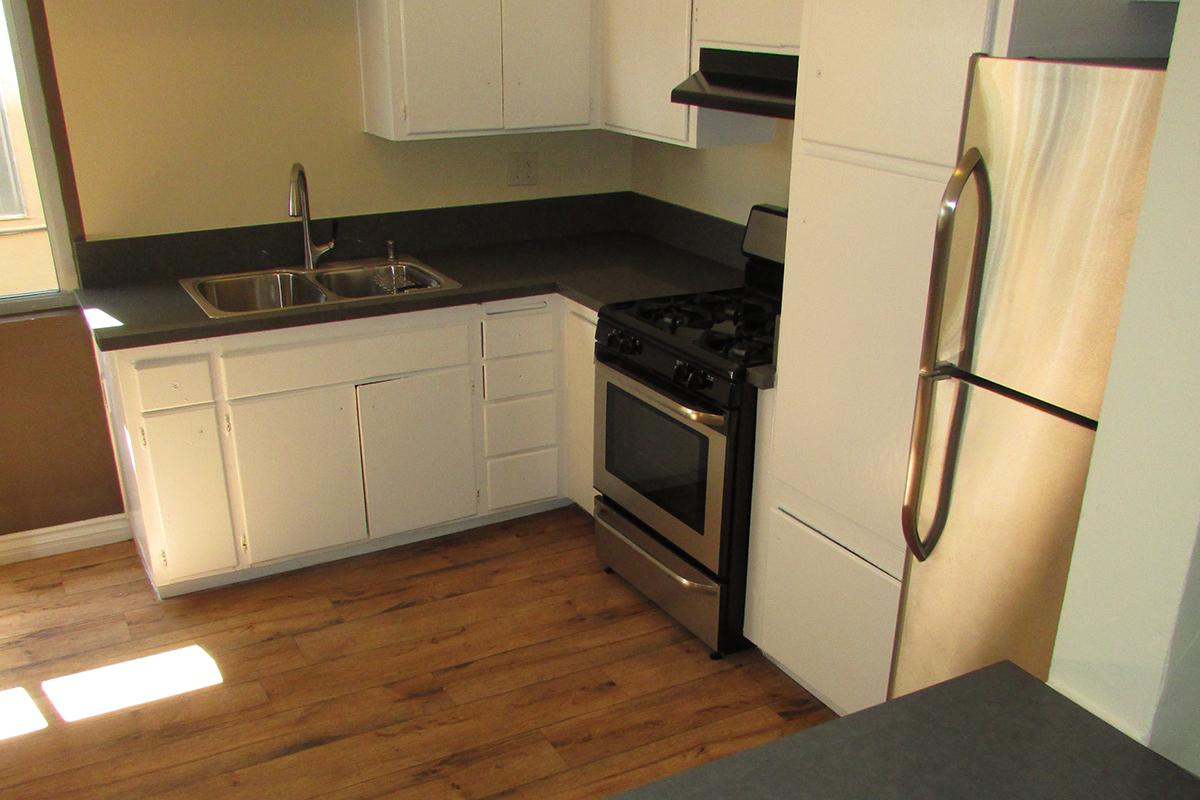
(662,461)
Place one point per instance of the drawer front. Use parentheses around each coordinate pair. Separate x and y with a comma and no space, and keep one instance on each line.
(677,587)
(513,480)
(520,425)
(517,334)
(512,377)
(173,383)
(280,369)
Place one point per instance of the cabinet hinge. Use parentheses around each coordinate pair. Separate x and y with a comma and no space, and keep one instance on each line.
(163,555)
(228,424)
(245,544)
(477,498)
(142,431)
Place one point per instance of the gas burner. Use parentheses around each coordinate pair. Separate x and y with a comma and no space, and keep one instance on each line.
(672,314)
(738,344)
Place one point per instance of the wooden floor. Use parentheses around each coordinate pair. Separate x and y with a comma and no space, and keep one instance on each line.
(499,662)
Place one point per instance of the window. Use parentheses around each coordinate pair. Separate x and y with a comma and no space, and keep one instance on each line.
(35,257)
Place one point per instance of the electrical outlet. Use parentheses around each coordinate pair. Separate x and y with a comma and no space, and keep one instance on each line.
(522,169)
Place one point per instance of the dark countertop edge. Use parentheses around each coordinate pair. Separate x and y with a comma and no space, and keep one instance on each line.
(109,339)
(661,266)
(33,304)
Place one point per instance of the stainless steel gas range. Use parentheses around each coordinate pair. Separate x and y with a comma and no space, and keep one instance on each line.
(674,454)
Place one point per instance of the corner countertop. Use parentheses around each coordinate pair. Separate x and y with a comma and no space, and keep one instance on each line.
(592,269)
(997,732)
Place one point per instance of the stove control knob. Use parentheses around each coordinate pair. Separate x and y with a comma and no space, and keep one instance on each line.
(634,346)
(698,379)
(614,339)
(682,373)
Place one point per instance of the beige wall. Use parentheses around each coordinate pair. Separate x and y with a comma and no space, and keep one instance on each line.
(187,115)
(721,181)
(1127,645)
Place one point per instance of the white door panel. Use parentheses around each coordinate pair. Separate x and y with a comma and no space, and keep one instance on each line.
(859,244)
(300,471)
(418,450)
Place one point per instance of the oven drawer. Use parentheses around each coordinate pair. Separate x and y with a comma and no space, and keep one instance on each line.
(677,587)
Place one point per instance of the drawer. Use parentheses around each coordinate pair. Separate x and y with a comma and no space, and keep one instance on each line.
(513,480)
(173,383)
(683,591)
(281,369)
(517,334)
(511,377)
(520,425)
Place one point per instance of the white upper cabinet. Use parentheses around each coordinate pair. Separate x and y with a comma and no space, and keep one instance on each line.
(646,51)
(439,68)
(547,63)
(451,65)
(753,24)
(888,78)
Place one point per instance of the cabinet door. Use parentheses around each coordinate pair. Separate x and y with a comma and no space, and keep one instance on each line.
(189,482)
(452,66)
(580,344)
(828,616)
(547,63)
(889,77)
(859,244)
(418,450)
(646,52)
(300,471)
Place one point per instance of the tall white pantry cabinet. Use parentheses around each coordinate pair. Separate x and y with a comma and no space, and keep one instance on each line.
(879,101)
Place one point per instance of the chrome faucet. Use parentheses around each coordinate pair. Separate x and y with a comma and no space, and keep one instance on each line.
(298,207)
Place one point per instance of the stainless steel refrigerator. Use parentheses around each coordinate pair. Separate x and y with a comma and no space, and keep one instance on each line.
(1032,246)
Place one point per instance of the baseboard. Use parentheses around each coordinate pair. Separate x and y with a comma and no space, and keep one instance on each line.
(26,545)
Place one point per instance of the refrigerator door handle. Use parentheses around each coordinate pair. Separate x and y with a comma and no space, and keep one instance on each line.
(929,373)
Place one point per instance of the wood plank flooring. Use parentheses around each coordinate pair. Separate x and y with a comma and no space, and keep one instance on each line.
(501,662)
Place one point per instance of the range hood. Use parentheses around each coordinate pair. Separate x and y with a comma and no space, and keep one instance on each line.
(739,80)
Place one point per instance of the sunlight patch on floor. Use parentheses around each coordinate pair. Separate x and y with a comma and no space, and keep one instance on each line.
(18,714)
(131,683)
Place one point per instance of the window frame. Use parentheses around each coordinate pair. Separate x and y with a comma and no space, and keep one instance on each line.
(45,164)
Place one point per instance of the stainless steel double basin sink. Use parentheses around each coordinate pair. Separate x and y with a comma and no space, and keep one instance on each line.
(346,282)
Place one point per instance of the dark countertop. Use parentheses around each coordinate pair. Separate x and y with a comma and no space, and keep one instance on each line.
(997,732)
(591,269)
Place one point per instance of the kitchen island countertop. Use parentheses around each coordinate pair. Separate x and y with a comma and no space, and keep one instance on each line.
(997,732)
(592,269)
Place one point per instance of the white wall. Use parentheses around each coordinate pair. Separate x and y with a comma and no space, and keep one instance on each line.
(1126,631)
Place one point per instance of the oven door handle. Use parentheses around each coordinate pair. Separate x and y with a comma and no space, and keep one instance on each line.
(638,389)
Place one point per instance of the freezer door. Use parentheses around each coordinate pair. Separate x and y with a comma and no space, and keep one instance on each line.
(993,587)
(1066,148)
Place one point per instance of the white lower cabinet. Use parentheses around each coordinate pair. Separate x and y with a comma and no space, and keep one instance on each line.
(825,615)
(521,421)
(248,454)
(192,504)
(418,457)
(300,471)
(579,343)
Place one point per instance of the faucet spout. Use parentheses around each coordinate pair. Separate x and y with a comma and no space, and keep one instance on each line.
(298,207)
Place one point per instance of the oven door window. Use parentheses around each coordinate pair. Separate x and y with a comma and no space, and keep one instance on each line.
(662,459)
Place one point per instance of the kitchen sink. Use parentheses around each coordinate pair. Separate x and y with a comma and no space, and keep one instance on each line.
(242,294)
(371,280)
(278,289)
